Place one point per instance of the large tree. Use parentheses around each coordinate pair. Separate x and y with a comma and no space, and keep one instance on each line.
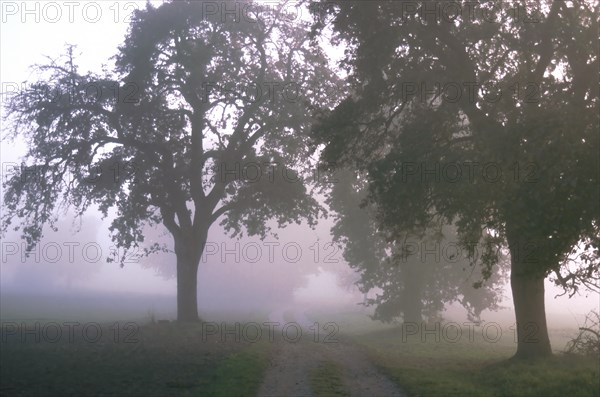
(204,118)
(416,274)
(485,114)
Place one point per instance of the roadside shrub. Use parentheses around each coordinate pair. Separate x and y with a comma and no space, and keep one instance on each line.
(587,341)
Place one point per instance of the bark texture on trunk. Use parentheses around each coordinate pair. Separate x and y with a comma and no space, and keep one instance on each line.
(412,303)
(188,251)
(528,297)
(413,309)
(187,290)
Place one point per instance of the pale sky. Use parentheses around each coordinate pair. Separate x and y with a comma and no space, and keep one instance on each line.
(25,41)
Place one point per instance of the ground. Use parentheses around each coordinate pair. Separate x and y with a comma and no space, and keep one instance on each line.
(318,355)
(165,359)
(161,360)
(324,363)
(295,370)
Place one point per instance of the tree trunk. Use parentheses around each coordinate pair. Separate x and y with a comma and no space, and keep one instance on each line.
(412,304)
(413,311)
(188,249)
(187,289)
(528,296)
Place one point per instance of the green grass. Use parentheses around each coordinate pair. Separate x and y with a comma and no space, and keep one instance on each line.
(240,374)
(326,381)
(476,368)
(562,375)
(165,360)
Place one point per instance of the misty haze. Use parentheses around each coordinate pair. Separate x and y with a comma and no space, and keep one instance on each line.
(300,198)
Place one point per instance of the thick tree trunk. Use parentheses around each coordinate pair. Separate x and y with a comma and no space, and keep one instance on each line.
(528,296)
(187,289)
(188,250)
(412,304)
(413,312)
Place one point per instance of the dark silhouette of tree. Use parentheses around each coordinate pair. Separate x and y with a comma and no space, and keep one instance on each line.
(204,118)
(524,131)
(419,273)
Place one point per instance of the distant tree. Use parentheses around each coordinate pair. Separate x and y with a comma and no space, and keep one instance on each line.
(515,106)
(417,274)
(205,117)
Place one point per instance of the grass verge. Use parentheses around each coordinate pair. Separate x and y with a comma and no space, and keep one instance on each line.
(474,368)
(240,374)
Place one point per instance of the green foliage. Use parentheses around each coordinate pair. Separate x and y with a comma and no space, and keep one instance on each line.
(534,117)
(418,272)
(191,95)
(477,368)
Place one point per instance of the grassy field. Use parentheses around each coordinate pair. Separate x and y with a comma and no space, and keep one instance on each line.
(445,362)
(240,374)
(426,367)
(163,359)
(133,357)
(167,359)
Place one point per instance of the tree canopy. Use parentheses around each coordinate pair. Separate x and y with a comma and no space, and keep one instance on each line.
(488,119)
(203,117)
(418,273)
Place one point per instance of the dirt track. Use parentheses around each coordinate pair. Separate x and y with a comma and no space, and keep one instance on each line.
(292,363)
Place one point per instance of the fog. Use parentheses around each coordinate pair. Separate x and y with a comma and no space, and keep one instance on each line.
(297,273)
(299,269)
(225,283)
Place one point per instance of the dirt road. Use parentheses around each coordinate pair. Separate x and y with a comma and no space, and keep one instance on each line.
(293,362)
